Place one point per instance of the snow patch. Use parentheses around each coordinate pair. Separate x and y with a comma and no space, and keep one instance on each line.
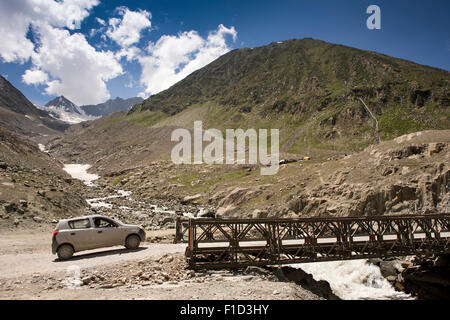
(42,148)
(69,117)
(100,204)
(79,171)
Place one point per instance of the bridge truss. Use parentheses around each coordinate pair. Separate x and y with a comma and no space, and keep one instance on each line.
(219,243)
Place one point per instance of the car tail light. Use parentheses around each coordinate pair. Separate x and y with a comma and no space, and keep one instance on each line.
(55,232)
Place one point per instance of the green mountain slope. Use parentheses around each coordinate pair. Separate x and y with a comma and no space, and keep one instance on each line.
(309,89)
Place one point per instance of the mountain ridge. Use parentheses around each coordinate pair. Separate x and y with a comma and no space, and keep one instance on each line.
(21,116)
(65,104)
(112,105)
(315,85)
(65,110)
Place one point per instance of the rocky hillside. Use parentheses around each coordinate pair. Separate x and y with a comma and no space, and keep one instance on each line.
(111,106)
(311,89)
(33,187)
(19,115)
(409,174)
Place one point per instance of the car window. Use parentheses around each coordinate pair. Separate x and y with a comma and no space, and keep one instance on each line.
(103,223)
(80,224)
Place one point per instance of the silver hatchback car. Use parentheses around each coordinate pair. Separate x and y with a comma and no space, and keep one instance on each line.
(92,232)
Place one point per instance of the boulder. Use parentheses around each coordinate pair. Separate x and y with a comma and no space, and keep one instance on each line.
(37,219)
(168,220)
(391,278)
(235,196)
(442,261)
(225,211)
(259,214)
(10,207)
(286,161)
(406,264)
(190,199)
(206,213)
(435,148)
(375,261)
(257,271)
(321,288)
(387,269)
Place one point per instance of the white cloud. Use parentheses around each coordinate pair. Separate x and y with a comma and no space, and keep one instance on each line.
(66,63)
(172,58)
(143,95)
(17,16)
(130,53)
(35,76)
(127,31)
(78,70)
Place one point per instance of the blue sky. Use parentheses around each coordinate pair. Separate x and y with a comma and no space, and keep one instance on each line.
(85,63)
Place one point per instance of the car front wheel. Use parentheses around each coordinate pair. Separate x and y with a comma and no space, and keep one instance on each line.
(65,252)
(132,242)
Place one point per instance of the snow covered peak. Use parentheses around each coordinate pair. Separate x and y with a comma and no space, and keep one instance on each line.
(65,104)
(65,110)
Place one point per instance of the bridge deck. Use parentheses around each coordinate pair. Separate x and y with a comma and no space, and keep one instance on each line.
(218,243)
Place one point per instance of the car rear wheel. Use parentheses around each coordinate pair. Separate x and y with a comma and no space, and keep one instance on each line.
(132,242)
(65,252)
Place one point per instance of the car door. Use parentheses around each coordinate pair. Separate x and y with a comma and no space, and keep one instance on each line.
(108,232)
(81,234)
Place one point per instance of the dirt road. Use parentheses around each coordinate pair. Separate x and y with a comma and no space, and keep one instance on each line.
(28,270)
(23,254)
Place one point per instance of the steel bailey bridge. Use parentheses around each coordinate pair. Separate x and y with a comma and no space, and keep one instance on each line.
(235,243)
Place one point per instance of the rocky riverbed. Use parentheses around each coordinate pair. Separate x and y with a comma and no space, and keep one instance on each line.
(426,278)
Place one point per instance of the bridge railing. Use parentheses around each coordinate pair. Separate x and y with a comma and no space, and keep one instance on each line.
(216,243)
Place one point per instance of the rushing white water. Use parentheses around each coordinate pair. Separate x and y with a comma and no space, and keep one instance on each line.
(124,193)
(100,202)
(157,209)
(79,171)
(353,280)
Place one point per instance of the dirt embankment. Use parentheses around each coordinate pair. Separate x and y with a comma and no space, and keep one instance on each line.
(33,187)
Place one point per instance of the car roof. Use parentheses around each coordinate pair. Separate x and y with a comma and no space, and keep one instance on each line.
(86,217)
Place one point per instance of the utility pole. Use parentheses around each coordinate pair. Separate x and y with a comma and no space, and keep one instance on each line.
(377,138)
